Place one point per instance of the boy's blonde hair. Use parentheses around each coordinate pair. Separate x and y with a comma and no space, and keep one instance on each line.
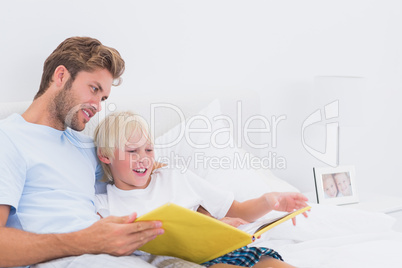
(113,133)
(325,177)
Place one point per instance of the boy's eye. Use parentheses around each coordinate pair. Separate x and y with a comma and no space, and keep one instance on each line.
(149,150)
(94,89)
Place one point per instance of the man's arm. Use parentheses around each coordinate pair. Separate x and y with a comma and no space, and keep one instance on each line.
(112,235)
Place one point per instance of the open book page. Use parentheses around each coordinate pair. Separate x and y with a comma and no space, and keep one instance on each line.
(253,227)
(256,228)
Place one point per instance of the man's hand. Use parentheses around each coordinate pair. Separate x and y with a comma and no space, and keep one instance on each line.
(118,236)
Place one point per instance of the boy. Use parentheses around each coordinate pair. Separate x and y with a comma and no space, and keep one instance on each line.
(125,148)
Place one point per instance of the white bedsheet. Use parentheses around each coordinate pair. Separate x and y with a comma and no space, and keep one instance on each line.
(337,237)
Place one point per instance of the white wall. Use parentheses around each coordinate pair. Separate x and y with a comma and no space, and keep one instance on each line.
(275,48)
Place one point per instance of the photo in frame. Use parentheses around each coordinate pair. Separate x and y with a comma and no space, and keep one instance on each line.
(335,186)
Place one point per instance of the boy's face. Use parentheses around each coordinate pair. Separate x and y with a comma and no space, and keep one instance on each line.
(330,186)
(132,165)
(343,184)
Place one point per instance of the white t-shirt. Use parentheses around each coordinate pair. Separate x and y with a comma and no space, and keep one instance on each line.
(166,185)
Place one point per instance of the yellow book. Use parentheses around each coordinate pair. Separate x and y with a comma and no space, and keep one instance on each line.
(198,238)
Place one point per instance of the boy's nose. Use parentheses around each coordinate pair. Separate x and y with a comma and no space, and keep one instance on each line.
(145,160)
(141,157)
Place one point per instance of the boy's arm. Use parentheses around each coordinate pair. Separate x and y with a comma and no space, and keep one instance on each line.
(113,235)
(202,210)
(253,209)
(235,222)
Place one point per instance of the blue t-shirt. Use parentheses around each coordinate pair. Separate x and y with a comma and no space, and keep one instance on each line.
(47,176)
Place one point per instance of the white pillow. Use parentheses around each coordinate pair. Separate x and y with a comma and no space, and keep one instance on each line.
(245,181)
(204,153)
(189,143)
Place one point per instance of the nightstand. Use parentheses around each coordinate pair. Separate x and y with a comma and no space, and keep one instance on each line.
(391,205)
(378,203)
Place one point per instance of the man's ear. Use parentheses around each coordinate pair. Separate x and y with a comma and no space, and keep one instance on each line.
(60,75)
(104,159)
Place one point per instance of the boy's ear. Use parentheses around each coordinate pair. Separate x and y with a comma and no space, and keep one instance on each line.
(104,159)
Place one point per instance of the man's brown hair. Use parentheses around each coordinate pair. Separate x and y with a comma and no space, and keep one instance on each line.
(81,54)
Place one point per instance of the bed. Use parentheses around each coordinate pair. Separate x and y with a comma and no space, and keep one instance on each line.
(331,236)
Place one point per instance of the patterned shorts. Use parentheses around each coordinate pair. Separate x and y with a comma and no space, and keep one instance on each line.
(244,256)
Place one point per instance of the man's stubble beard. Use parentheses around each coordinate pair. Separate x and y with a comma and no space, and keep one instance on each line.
(64,111)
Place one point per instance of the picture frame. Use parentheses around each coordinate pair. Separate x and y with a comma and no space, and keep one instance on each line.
(336,186)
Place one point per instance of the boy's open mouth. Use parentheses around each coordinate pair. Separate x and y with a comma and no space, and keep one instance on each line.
(140,170)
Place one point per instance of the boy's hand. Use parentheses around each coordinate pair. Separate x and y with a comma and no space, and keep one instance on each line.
(287,202)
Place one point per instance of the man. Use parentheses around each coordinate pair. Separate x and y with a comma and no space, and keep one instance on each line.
(47,175)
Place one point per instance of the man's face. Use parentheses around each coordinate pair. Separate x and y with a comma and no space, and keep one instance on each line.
(77,102)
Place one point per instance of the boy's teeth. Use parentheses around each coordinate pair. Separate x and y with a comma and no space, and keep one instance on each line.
(140,170)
